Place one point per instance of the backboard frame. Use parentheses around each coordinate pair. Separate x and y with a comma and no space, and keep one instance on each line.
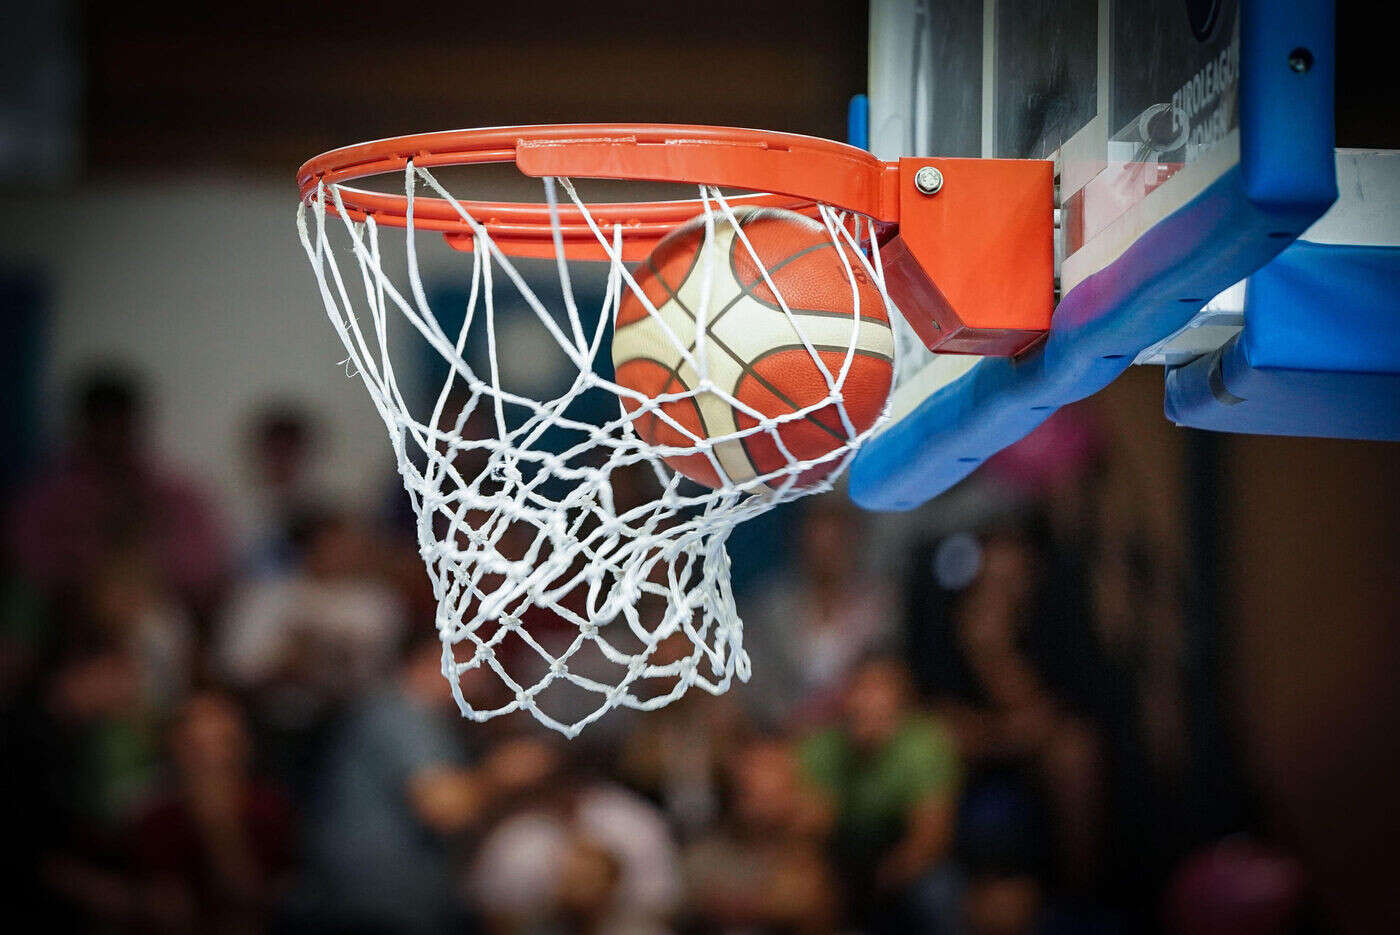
(1217,219)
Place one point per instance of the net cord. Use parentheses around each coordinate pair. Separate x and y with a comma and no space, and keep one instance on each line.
(659,569)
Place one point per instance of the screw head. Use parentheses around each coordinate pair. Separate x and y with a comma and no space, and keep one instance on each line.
(928,180)
(1300,60)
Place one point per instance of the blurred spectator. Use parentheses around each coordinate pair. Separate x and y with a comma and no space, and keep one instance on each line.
(24,636)
(579,855)
(280,440)
(1052,462)
(1016,724)
(808,631)
(400,567)
(394,792)
(126,665)
(127,605)
(303,642)
(1003,904)
(1008,890)
(103,739)
(212,852)
(762,869)
(108,491)
(673,755)
(891,774)
(1017,902)
(1237,886)
(117,671)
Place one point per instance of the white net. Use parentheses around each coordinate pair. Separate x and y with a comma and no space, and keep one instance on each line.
(569,559)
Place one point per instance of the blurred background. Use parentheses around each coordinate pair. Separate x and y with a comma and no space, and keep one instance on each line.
(1125,678)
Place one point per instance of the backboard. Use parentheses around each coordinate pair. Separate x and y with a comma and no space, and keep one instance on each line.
(1192,143)
(1123,95)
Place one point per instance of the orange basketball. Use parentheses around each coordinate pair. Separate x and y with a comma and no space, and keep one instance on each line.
(752,350)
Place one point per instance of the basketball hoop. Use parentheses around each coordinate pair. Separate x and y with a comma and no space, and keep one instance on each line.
(578,557)
(795,172)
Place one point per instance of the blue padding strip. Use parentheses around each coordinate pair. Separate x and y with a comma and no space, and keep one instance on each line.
(1233,228)
(858,121)
(1326,307)
(1224,392)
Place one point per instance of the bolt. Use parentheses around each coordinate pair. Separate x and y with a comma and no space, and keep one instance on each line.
(1300,60)
(928,180)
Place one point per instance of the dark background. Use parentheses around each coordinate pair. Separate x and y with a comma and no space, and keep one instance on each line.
(1272,563)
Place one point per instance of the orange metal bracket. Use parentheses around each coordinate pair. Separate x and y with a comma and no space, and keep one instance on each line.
(971,266)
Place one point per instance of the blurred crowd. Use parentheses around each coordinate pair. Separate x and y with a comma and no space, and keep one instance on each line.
(222,719)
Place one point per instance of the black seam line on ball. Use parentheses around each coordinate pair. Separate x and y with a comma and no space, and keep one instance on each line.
(775,306)
(674,374)
(748,291)
(743,364)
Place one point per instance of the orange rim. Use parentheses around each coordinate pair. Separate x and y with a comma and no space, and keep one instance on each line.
(782,170)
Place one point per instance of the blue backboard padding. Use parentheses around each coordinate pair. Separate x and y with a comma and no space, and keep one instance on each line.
(1150,292)
(1224,392)
(1319,354)
(1325,307)
(1234,227)
(858,121)
(1287,134)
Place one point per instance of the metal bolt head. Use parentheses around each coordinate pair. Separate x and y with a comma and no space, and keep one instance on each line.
(1300,60)
(928,180)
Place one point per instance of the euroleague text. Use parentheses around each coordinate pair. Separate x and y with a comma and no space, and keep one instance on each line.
(1197,101)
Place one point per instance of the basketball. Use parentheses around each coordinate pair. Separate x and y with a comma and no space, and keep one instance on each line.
(752,350)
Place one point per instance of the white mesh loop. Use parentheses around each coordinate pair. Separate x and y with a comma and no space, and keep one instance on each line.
(551,572)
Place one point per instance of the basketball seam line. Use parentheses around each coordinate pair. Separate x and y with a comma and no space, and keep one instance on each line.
(834,348)
(673,374)
(831,348)
(733,270)
(743,364)
(748,291)
(694,259)
(674,371)
(744,291)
